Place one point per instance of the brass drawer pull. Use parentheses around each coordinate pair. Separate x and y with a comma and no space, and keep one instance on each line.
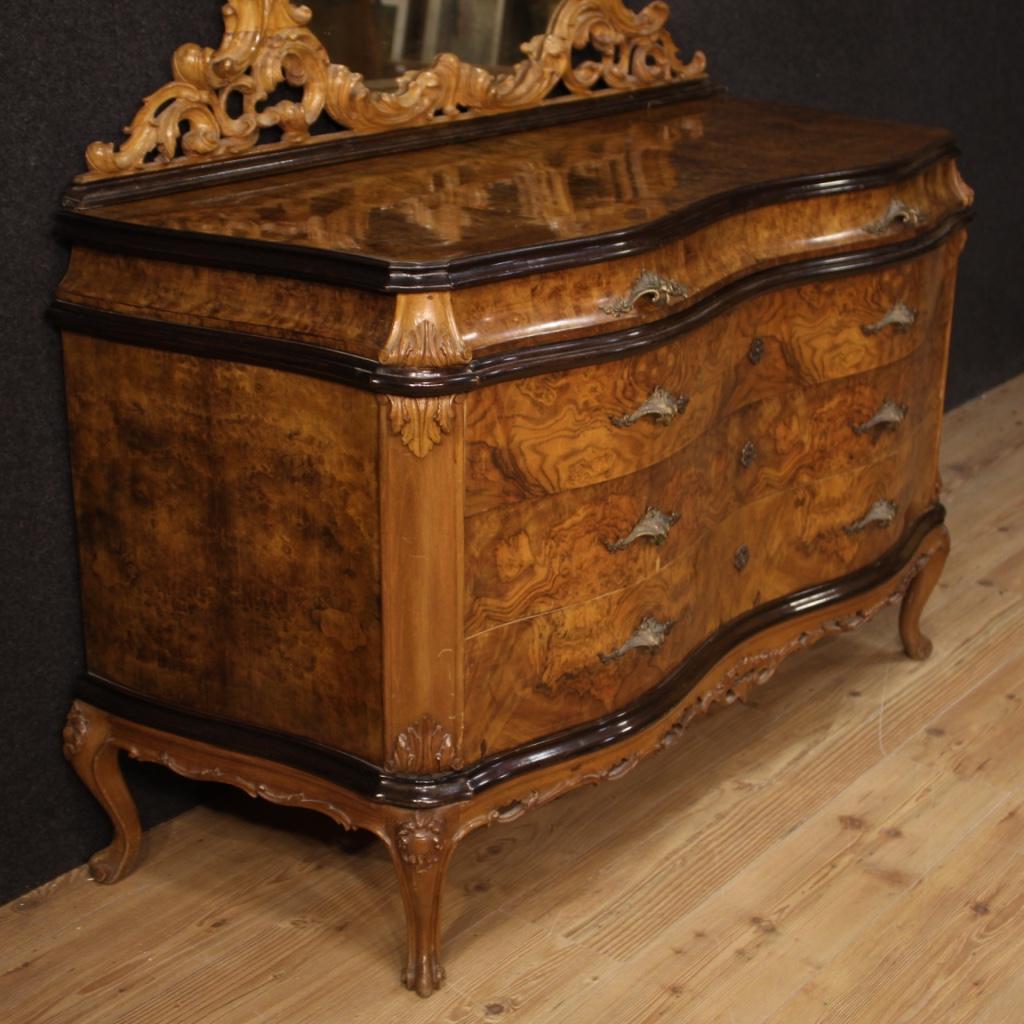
(891,414)
(900,317)
(756,351)
(661,404)
(882,513)
(650,636)
(647,286)
(898,213)
(741,559)
(653,526)
(748,455)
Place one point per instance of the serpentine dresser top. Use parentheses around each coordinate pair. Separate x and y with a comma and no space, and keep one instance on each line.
(423,482)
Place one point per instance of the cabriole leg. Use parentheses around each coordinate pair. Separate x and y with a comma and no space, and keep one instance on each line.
(915,643)
(421,847)
(93,755)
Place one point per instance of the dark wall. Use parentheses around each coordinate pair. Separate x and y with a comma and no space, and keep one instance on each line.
(76,71)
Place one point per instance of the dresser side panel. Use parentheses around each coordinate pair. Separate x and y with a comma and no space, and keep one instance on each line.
(229,539)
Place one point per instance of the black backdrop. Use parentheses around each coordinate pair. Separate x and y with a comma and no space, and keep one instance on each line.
(75,72)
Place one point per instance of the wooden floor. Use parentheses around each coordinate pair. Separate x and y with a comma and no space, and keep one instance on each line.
(850,849)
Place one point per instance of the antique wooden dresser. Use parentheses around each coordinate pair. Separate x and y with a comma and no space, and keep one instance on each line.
(437,463)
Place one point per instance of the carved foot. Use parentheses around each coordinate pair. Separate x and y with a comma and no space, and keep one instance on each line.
(421,847)
(93,755)
(915,643)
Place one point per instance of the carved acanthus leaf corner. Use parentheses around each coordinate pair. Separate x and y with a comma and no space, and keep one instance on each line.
(424,333)
(424,748)
(268,43)
(421,423)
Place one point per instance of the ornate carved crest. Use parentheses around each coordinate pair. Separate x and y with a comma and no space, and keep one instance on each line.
(218,101)
(425,747)
(420,840)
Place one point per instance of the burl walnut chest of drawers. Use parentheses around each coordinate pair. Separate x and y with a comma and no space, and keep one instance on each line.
(432,467)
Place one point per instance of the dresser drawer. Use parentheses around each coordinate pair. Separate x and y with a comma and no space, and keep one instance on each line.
(537,675)
(648,287)
(534,556)
(558,432)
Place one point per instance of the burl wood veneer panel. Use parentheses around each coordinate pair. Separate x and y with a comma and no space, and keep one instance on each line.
(534,556)
(228,530)
(576,300)
(554,432)
(537,676)
(328,315)
(534,676)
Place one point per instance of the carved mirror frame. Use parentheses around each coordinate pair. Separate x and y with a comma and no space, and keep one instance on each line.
(220,102)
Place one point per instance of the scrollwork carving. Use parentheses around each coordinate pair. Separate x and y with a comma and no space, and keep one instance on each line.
(513,811)
(268,43)
(252,787)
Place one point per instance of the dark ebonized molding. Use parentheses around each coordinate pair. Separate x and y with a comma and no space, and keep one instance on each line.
(372,274)
(343,147)
(370,375)
(431,791)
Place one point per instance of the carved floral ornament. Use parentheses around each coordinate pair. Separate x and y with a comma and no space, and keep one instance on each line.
(216,104)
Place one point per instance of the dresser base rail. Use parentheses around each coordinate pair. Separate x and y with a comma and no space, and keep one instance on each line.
(421,841)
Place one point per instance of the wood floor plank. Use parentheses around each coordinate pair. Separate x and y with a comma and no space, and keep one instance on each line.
(623,923)
(752,944)
(949,944)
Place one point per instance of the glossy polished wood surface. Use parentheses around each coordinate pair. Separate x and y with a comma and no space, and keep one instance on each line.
(555,432)
(420,491)
(533,188)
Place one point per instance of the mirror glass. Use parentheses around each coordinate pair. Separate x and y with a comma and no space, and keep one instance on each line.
(384,38)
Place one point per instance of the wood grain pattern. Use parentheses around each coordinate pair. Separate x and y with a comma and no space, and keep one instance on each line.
(422,842)
(534,556)
(553,432)
(423,578)
(540,187)
(434,609)
(228,533)
(541,674)
(328,316)
(573,301)
(845,812)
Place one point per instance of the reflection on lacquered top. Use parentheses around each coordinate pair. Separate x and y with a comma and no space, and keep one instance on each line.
(592,177)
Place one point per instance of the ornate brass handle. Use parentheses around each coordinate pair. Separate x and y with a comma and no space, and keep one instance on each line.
(891,414)
(661,404)
(900,317)
(882,513)
(898,213)
(647,286)
(748,455)
(649,636)
(653,525)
